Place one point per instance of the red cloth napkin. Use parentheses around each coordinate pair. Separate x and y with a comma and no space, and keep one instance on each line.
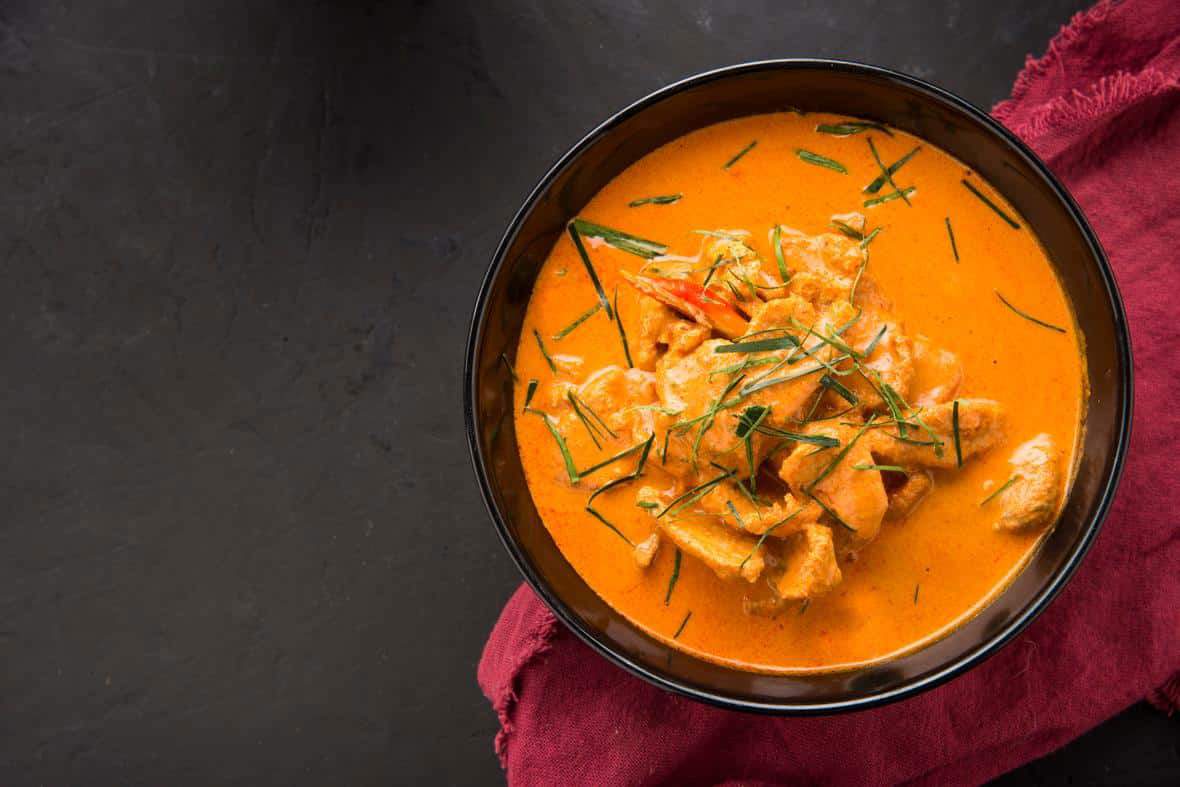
(1102,107)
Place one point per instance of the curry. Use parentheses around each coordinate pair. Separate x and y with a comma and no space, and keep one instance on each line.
(798,392)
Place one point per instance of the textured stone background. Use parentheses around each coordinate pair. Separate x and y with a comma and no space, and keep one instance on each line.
(240,541)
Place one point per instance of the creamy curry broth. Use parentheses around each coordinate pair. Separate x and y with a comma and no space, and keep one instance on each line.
(922,575)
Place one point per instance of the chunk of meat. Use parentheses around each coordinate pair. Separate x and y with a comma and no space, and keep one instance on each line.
(784,313)
(825,253)
(809,567)
(891,363)
(729,553)
(729,245)
(937,373)
(645,550)
(819,289)
(981,428)
(682,337)
(1032,500)
(870,322)
(616,395)
(654,319)
(906,497)
(733,508)
(694,385)
(857,497)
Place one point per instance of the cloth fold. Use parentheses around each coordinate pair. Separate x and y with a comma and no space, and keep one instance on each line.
(1102,108)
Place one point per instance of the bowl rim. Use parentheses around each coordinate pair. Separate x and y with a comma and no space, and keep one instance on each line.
(951,669)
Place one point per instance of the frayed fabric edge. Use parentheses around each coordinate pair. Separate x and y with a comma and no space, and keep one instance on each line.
(539,641)
(1108,95)
(1081,24)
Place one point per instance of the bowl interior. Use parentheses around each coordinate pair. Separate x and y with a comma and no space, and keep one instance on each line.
(844,88)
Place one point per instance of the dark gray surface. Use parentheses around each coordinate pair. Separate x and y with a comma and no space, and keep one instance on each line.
(241,542)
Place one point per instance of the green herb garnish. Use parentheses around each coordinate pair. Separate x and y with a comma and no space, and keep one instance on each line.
(570,469)
(916,587)
(748,422)
(831,340)
(882,468)
(914,414)
(983,198)
(848,230)
(741,367)
(955,429)
(766,383)
(834,385)
(717,263)
(590,428)
(623,241)
(908,190)
(851,127)
(601,423)
(696,493)
(885,173)
(803,607)
(576,235)
(1028,316)
(622,333)
(621,455)
(892,169)
(838,519)
(821,161)
(736,294)
(709,416)
(672,580)
(594,513)
(822,440)
(951,234)
(787,342)
(645,448)
(737,157)
(831,466)
(648,504)
(842,329)
(737,517)
(889,396)
(528,394)
(776,240)
(544,352)
(683,623)
(643,454)
(663,199)
(581,318)
(856,281)
(657,408)
(868,350)
(864,244)
(1003,488)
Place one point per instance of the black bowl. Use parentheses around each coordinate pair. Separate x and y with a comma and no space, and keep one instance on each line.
(844,88)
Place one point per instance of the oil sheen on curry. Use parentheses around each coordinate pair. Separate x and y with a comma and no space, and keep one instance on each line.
(798,392)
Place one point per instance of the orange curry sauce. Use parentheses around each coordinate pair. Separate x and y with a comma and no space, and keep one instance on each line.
(921,577)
